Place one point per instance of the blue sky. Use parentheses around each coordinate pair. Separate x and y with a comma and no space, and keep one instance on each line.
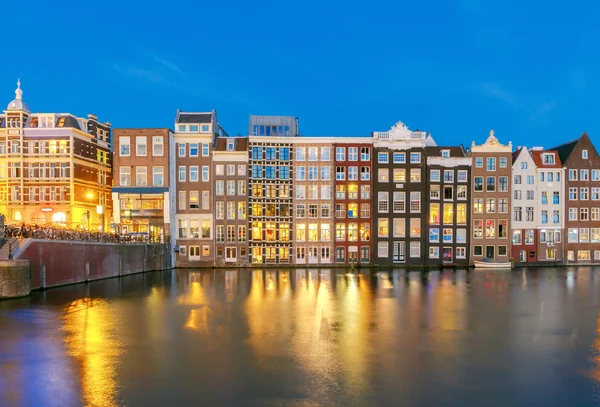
(527,69)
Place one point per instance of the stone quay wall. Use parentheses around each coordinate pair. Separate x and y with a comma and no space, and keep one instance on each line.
(55,263)
(15,279)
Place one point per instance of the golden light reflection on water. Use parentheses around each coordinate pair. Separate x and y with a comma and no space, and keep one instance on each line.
(91,338)
(196,297)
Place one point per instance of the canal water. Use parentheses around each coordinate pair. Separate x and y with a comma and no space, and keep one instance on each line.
(307,338)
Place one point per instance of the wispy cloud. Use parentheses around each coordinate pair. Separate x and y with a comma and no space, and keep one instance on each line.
(137,72)
(496,91)
(172,66)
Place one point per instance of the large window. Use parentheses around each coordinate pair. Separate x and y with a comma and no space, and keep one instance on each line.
(124,143)
(434,214)
(140,146)
(125,176)
(157,176)
(313,153)
(141,176)
(157,146)
(415,202)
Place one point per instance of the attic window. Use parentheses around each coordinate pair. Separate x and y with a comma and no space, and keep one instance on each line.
(584,154)
(445,153)
(548,158)
(230,145)
(34,122)
(61,122)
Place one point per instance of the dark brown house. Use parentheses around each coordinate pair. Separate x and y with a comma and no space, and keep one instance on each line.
(582,203)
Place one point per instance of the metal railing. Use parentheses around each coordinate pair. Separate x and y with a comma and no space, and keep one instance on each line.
(77,235)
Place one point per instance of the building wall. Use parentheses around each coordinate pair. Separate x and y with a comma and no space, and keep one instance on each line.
(140,204)
(578,247)
(271,182)
(313,201)
(447,210)
(231,168)
(194,208)
(353,203)
(551,243)
(525,209)
(490,237)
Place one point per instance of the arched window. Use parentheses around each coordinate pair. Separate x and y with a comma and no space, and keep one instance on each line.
(59,218)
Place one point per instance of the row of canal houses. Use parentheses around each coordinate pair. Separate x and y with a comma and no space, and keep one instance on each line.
(395,198)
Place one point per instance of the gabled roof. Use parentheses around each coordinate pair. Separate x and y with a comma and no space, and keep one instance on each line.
(455,151)
(564,150)
(194,118)
(515,154)
(538,159)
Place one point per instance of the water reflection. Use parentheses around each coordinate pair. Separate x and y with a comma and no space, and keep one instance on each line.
(91,328)
(308,337)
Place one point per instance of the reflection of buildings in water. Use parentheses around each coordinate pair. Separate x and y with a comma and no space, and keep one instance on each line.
(91,338)
(230,285)
(202,313)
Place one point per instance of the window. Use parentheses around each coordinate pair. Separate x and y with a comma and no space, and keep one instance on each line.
(399,175)
(313,173)
(584,235)
(220,188)
(478,184)
(340,232)
(382,202)
(448,176)
(140,146)
(230,188)
(125,179)
(518,214)
(503,184)
(399,227)
(365,153)
(325,173)
(584,214)
(523,165)
(313,211)
(448,193)
(365,173)
(340,173)
(502,205)
(365,192)
(461,176)
(583,194)
(584,154)
(529,214)
(415,227)
(383,175)
(478,205)
(490,184)
(157,176)
(183,228)
(193,149)
(242,188)
(325,153)
(434,192)
(572,213)
(434,214)
(352,173)
(434,252)
(182,200)
(517,179)
(313,153)
(415,201)
(415,249)
(434,176)
(490,229)
(490,164)
(205,150)
(383,158)
(157,146)
(340,211)
(300,191)
(530,180)
(461,214)
(479,162)
(124,142)
(141,176)
(555,198)
(382,250)
(193,173)
(572,175)
(595,176)
(326,191)
(572,194)
(340,154)
(399,158)
(447,236)
(415,175)
(448,214)
(477,250)
(573,235)
(325,232)
(544,216)
(352,153)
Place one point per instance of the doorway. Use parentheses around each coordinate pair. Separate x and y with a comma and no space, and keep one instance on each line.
(489,252)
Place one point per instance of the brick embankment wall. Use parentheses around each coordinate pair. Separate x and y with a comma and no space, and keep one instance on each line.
(55,263)
(15,280)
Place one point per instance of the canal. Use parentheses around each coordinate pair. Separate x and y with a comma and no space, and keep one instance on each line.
(307,338)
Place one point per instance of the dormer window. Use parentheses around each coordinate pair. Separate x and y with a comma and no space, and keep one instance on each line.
(181,128)
(445,153)
(548,158)
(61,122)
(584,154)
(204,128)
(230,145)
(193,128)
(34,122)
